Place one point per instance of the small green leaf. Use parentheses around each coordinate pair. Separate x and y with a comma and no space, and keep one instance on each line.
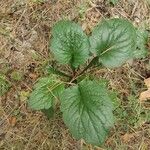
(114,2)
(4,85)
(46,90)
(16,75)
(48,112)
(69,44)
(38,1)
(142,39)
(113,41)
(115,100)
(87,111)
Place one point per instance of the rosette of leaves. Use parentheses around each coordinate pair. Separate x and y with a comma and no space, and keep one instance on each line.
(86,104)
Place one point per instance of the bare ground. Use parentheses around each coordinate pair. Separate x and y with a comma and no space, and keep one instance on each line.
(25,30)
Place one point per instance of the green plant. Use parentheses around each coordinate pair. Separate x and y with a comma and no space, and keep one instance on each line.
(16,75)
(4,85)
(114,2)
(86,103)
(82,9)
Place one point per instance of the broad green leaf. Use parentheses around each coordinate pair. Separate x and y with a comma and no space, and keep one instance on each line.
(113,41)
(45,91)
(69,43)
(87,111)
(142,39)
(4,85)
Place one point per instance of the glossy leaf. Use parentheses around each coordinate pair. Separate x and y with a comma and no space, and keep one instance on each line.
(46,90)
(87,111)
(69,43)
(113,41)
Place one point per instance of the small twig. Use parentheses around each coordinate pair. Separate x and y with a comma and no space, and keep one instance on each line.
(73,69)
(134,9)
(7,116)
(19,20)
(31,135)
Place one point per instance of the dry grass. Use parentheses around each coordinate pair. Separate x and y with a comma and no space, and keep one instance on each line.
(25,28)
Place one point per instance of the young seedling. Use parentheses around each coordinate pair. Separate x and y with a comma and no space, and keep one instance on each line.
(4,85)
(86,104)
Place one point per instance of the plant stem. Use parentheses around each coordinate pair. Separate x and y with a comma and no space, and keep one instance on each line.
(55,71)
(73,70)
(89,65)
